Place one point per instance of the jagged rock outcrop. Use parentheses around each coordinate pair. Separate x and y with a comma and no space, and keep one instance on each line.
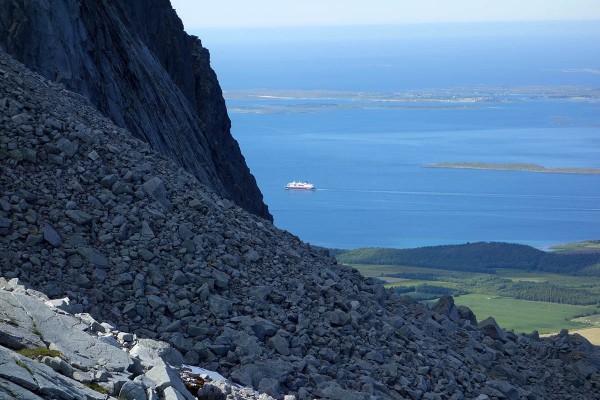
(135,63)
(89,212)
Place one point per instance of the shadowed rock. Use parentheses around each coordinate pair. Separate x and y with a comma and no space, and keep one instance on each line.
(490,328)
(133,60)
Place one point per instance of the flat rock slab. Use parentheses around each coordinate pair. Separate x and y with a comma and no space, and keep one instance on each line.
(16,337)
(64,332)
(167,380)
(26,379)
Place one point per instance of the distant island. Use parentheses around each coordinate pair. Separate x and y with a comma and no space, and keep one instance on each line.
(515,167)
(586,246)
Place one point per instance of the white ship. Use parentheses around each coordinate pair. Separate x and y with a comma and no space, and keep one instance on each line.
(300,185)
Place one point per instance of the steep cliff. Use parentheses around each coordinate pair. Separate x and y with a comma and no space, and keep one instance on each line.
(134,62)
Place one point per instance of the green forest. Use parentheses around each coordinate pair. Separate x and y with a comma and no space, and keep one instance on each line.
(484,257)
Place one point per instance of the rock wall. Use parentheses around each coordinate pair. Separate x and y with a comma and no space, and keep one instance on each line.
(89,212)
(135,63)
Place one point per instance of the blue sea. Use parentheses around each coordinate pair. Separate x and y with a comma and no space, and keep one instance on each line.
(361,111)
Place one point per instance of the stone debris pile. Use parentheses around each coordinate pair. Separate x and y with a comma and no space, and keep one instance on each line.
(89,212)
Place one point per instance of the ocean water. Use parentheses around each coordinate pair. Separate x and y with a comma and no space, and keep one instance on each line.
(407,99)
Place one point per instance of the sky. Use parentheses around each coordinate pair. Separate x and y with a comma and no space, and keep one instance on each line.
(272,13)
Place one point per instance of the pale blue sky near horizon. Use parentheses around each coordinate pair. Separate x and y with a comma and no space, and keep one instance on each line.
(277,13)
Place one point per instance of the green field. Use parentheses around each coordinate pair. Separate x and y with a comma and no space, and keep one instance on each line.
(524,315)
(586,245)
(593,320)
(510,313)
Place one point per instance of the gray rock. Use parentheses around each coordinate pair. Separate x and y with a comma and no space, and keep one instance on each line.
(155,301)
(155,188)
(16,337)
(219,306)
(132,391)
(29,155)
(337,318)
(251,374)
(247,345)
(211,392)
(490,328)
(68,147)
(334,392)
(10,390)
(30,377)
(148,350)
(64,332)
(51,236)
(93,155)
(467,314)
(179,278)
(120,187)
(281,345)
(65,304)
(184,232)
(221,278)
(59,365)
(124,279)
(445,306)
(166,377)
(147,231)
(108,181)
(262,328)
(171,393)
(270,386)
(78,216)
(125,337)
(5,222)
(93,256)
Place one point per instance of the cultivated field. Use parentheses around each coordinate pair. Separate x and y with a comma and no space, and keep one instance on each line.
(510,313)
(524,315)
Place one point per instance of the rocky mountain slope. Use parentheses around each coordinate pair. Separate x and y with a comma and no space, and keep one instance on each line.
(135,63)
(90,212)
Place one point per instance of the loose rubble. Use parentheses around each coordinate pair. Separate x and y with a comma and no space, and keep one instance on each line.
(131,239)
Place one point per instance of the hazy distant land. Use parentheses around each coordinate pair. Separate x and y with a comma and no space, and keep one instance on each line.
(515,167)
(586,246)
(277,101)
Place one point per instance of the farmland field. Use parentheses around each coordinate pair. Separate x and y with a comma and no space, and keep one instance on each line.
(524,315)
(510,313)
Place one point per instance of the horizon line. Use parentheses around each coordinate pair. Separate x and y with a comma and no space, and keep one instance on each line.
(394,24)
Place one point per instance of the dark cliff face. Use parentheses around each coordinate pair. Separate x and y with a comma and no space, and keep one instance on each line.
(135,63)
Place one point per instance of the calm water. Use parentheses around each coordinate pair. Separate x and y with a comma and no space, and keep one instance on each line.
(367,161)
